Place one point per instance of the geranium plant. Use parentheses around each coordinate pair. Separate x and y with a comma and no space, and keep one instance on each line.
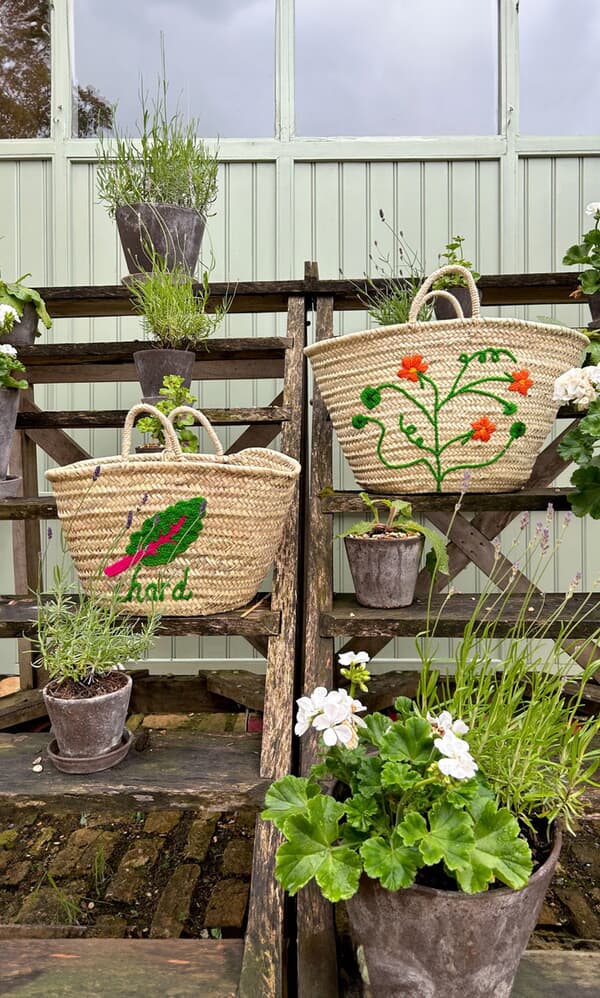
(587,254)
(454,257)
(10,365)
(580,387)
(174,393)
(13,298)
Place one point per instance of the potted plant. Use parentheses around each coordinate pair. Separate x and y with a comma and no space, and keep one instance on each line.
(10,384)
(384,555)
(453,284)
(390,305)
(580,387)
(160,187)
(445,825)
(174,314)
(587,254)
(173,394)
(20,310)
(84,643)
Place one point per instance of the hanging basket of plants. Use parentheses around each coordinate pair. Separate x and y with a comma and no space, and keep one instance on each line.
(419,406)
(187,534)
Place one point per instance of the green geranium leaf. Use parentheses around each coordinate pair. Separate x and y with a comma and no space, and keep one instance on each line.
(404,706)
(376,727)
(390,861)
(368,776)
(587,497)
(310,851)
(409,741)
(589,426)
(450,837)
(412,828)
(360,810)
(286,797)
(498,852)
(589,280)
(593,352)
(399,775)
(575,446)
(575,254)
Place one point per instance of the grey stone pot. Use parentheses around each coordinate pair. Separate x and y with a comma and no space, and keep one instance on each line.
(10,486)
(384,571)
(425,943)
(594,304)
(23,332)
(444,309)
(9,406)
(91,728)
(153,365)
(173,233)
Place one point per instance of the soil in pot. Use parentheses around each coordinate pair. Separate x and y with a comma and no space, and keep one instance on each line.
(88,719)
(154,365)
(444,309)
(384,565)
(426,943)
(9,406)
(172,233)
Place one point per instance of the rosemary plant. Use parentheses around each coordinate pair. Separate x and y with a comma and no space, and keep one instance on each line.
(174,307)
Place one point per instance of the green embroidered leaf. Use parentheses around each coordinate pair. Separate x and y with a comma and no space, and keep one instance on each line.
(510,408)
(287,797)
(183,522)
(412,828)
(359,421)
(399,775)
(311,852)
(370,397)
(575,446)
(587,497)
(409,741)
(517,430)
(498,852)
(450,837)
(360,810)
(390,861)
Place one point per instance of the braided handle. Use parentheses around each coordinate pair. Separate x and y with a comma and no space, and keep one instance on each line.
(425,289)
(449,297)
(186,410)
(171,441)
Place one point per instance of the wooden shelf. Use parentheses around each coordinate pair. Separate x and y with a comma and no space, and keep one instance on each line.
(525,499)
(174,770)
(18,615)
(347,617)
(114,418)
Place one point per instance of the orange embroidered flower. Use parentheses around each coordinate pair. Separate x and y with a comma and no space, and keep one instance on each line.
(521,382)
(483,429)
(412,367)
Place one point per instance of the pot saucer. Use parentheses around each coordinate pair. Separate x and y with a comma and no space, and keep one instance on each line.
(93,764)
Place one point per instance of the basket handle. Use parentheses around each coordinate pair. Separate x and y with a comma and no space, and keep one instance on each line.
(171,441)
(199,417)
(425,289)
(439,293)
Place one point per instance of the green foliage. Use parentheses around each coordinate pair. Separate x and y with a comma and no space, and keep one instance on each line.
(9,365)
(169,533)
(454,257)
(17,295)
(587,254)
(174,393)
(400,520)
(168,164)
(81,637)
(390,305)
(578,445)
(173,309)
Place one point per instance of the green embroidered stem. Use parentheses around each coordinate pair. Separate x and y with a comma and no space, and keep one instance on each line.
(495,354)
(484,464)
(411,398)
(467,389)
(384,461)
(509,408)
(463,438)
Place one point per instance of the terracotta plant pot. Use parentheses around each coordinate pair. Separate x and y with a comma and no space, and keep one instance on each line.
(89,729)
(23,332)
(445,310)
(153,366)
(172,233)
(426,943)
(9,406)
(384,569)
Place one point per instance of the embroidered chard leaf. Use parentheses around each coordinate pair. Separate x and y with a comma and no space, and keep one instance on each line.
(163,536)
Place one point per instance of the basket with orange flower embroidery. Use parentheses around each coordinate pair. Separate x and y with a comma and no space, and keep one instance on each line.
(417,406)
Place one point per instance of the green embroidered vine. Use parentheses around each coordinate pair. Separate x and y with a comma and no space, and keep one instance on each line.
(430,452)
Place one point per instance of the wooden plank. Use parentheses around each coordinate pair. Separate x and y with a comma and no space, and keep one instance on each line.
(207,370)
(17,708)
(526,499)
(59,445)
(116,417)
(175,770)
(219,349)
(241,686)
(558,974)
(347,617)
(258,436)
(41,932)
(28,508)
(18,615)
(173,695)
(120,968)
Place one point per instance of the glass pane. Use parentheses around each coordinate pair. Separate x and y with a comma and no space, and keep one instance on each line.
(24,69)
(416,67)
(219,61)
(560,85)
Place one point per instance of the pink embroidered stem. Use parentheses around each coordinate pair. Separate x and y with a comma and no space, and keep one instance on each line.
(132,559)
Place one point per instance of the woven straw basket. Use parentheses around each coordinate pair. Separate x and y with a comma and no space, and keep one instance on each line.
(440,406)
(192,533)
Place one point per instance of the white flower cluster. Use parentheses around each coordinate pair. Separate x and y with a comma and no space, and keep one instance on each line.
(458,761)
(8,317)
(333,713)
(8,349)
(592,207)
(579,385)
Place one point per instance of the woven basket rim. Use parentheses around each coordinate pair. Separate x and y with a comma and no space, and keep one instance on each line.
(290,467)
(440,325)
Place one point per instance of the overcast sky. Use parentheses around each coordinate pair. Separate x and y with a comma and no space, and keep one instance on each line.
(363,67)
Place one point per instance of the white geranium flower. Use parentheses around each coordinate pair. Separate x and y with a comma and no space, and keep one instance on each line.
(593,373)
(458,761)
(354,658)
(445,723)
(577,386)
(8,349)
(308,708)
(592,207)
(8,317)
(338,720)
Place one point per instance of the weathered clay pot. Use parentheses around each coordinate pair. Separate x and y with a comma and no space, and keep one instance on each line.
(9,406)
(594,303)
(384,570)
(88,728)
(10,486)
(152,366)
(173,234)
(445,310)
(425,943)
(23,332)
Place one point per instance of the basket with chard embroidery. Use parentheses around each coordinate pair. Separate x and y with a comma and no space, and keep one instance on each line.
(192,533)
(416,407)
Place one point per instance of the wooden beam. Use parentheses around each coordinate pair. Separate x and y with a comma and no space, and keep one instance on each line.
(114,418)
